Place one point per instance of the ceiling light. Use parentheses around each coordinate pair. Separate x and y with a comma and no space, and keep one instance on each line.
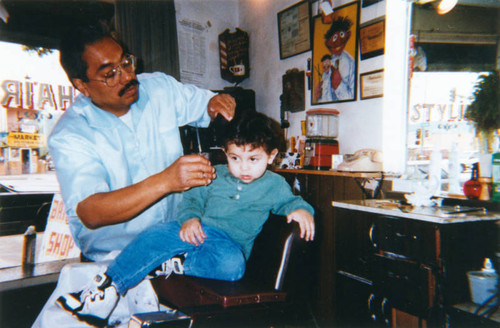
(4,14)
(445,6)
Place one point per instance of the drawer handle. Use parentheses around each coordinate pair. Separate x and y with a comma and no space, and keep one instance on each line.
(386,317)
(371,311)
(370,235)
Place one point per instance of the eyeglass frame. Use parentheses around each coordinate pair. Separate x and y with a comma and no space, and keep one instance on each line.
(118,70)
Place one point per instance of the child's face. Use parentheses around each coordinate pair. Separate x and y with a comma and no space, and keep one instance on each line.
(248,164)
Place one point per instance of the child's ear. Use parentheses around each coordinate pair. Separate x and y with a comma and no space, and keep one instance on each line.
(272,155)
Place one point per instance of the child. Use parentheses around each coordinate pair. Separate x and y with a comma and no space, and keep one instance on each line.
(216,226)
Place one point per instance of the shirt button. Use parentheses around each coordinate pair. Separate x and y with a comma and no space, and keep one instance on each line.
(240,188)
(237,196)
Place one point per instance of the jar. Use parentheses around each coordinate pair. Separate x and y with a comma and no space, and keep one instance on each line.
(322,123)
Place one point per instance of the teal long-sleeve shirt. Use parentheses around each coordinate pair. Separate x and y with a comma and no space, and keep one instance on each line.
(240,209)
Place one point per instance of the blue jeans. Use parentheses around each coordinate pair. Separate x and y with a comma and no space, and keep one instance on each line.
(217,258)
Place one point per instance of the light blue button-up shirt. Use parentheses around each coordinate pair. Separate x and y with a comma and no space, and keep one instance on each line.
(95,151)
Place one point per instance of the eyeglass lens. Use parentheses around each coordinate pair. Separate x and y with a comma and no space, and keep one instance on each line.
(128,65)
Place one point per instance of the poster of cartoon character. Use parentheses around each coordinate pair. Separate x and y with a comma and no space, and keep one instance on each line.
(335,54)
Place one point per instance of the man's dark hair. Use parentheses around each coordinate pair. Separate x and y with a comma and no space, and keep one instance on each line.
(254,129)
(339,24)
(325,57)
(73,45)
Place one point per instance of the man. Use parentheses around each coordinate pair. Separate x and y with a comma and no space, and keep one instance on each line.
(117,149)
(343,64)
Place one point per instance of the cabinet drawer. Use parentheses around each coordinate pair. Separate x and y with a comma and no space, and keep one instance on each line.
(408,286)
(406,238)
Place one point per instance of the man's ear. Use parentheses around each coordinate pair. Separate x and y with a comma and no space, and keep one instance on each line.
(272,156)
(81,86)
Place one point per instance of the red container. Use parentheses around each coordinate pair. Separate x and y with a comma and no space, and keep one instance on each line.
(319,154)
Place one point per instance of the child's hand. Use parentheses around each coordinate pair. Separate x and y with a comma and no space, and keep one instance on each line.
(191,232)
(305,221)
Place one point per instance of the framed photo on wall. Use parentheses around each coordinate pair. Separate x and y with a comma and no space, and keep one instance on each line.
(366,3)
(294,29)
(372,84)
(372,39)
(334,57)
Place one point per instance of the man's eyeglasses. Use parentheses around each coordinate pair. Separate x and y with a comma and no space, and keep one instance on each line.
(112,78)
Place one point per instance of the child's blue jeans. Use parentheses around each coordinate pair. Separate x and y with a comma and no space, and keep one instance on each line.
(217,258)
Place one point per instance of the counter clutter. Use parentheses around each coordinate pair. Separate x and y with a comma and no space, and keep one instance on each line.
(436,214)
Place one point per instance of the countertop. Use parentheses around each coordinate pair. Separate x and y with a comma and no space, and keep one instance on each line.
(366,175)
(14,275)
(435,214)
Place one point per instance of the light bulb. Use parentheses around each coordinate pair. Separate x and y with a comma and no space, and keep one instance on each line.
(445,6)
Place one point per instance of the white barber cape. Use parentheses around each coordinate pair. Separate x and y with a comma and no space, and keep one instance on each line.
(73,278)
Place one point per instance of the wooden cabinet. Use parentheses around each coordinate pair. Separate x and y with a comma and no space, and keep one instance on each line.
(399,272)
(320,188)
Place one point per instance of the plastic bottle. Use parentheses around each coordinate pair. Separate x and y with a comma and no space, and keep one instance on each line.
(488,266)
(472,187)
(495,175)
(435,170)
(453,170)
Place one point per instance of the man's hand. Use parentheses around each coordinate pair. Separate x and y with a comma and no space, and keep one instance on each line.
(223,104)
(188,171)
(305,221)
(192,232)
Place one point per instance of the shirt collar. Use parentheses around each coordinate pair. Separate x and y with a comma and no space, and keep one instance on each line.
(100,118)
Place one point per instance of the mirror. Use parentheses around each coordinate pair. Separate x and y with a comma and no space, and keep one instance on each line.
(448,54)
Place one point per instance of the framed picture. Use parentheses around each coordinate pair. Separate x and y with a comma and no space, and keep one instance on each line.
(372,84)
(366,3)
(294,29)
(372,39)
(334,58)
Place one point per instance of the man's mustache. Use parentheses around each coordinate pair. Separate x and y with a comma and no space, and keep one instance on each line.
(128,86)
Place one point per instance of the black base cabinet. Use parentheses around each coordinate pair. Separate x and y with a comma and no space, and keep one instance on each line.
(371,270)
(400,272)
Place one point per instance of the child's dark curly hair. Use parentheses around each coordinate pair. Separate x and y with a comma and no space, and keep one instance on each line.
(254,129)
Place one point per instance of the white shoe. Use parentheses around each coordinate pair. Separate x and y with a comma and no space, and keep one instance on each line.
(172,265)
(165,269)
(94,304)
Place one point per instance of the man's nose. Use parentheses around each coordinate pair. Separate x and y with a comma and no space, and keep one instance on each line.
(125,77)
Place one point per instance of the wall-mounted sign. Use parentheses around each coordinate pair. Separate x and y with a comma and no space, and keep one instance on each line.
(234,57)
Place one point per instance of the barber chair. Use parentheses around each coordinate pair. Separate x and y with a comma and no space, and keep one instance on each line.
(272,292)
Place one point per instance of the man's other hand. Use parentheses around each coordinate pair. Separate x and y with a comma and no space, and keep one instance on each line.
(223,104)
